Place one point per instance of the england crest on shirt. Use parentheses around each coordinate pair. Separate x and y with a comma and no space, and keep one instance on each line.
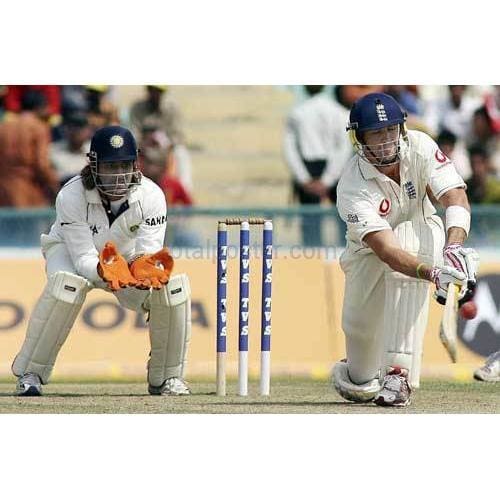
(410,190)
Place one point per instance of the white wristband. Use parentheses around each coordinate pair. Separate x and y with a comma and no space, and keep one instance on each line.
(457,216)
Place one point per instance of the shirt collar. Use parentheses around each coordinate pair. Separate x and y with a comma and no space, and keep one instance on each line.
(93,195)
(370,172)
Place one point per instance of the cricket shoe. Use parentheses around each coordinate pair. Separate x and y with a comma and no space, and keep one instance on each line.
(29,384)
(173,386)
(395,390)
(490,372)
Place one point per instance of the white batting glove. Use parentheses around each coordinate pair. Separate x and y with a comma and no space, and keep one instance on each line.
(465,260)
(442,277)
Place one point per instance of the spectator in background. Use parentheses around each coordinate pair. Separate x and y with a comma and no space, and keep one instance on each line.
(158,111)
(408,98)
(156,165)
(409,101)
(52,94)
(315,148)
(101,110)
(347,95)
(492,105)
(69,156)
(453,113)
(28,179)
(73,100)
(482,187)
(485,134)
(3,92)
(312,90)
(302,92)
(456,151)
(154,138)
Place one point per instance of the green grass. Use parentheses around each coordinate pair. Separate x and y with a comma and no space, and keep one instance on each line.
(288,396)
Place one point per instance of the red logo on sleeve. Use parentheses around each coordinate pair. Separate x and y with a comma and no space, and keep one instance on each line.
(385,207)
(440,156)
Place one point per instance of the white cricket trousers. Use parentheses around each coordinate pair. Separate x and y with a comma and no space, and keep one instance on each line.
(385,313)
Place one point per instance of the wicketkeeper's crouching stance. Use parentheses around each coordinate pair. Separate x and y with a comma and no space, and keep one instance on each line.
(109,233)
(396,247)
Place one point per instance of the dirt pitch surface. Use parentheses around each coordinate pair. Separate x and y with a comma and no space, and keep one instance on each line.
(288,396)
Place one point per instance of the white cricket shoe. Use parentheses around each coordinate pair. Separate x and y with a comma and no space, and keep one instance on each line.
(396,390)
(490,372)
(30,384)
(173,386)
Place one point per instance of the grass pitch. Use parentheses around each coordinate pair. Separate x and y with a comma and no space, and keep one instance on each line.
(288,396)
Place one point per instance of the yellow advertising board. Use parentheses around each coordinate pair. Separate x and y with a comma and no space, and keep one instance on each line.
(108,341)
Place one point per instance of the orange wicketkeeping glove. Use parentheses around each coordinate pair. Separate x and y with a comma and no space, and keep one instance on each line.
(153,270)
(113,268)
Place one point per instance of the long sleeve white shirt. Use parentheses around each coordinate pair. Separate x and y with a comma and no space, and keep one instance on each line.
(82,224)
(369,201)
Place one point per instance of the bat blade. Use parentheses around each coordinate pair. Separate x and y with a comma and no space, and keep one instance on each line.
(448,327)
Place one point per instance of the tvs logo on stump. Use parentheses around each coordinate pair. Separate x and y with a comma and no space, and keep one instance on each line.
(482,334)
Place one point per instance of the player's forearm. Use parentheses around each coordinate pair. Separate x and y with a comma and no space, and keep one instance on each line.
(456,235)
(457,215)
(403,262)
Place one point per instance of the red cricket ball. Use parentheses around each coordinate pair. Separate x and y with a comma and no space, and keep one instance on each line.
(468,310)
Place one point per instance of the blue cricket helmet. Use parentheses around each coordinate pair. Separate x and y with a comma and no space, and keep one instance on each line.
(374,111)
(113,143)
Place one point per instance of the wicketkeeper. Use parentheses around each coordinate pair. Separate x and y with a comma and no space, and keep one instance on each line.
(109,233)
(396,247)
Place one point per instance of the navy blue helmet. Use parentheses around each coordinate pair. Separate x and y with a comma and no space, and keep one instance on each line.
(373,112)
(115,145)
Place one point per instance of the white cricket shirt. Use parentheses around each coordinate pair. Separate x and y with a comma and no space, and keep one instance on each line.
(369,201)
(82,224)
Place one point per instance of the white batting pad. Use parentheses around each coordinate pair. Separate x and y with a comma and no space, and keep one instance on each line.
(50,323)
(169,330)
(406,307)
(359,393)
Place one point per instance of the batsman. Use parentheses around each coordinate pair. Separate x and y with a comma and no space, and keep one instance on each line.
(109,232)
(396,248)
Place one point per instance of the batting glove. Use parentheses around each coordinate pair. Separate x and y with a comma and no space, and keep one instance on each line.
(442,277)
(465,260)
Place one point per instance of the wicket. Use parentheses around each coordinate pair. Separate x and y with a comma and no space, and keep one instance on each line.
(244,299)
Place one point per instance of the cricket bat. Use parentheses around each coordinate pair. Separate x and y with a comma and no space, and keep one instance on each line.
(448,328)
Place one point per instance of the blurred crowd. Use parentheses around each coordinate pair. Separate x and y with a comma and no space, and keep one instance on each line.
(45,133)
(464,121)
